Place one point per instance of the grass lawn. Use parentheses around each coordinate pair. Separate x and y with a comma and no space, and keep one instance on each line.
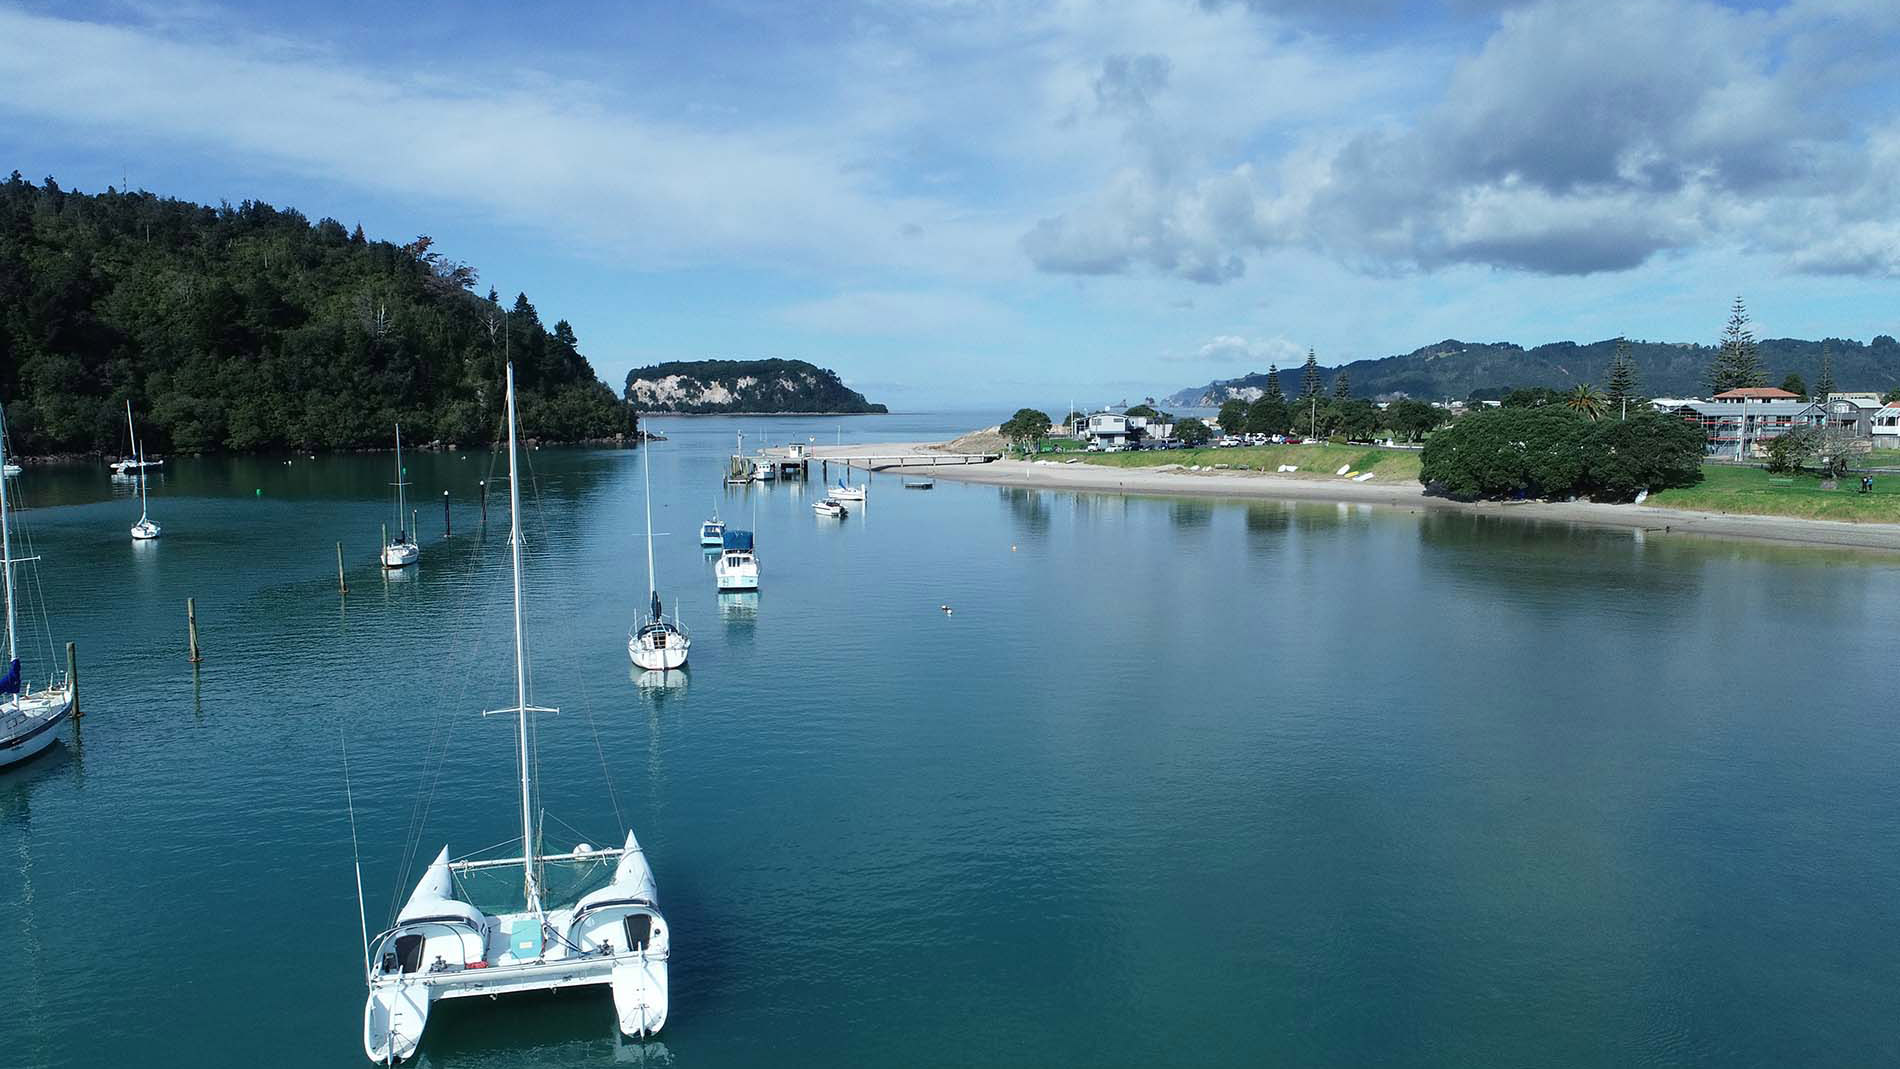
(1386,465)
(1754,491)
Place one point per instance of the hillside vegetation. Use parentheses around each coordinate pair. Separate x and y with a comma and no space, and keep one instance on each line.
(251,328)
(772,386)
(1455,369)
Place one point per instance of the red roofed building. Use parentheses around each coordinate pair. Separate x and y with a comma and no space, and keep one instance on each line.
(1756,393)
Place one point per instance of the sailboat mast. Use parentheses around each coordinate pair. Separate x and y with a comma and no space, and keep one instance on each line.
(646,481)
(399,497)
(521,666)
(6,542)
(138,454)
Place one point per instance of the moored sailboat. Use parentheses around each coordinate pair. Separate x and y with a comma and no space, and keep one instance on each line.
(403,551)
(737,567)
(144,530)
(29,721)
(656,642)
(442,946)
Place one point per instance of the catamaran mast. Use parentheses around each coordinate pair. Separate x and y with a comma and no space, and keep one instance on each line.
(6,543)
(521,668)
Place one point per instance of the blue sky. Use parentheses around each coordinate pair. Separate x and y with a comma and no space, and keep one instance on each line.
(982,202)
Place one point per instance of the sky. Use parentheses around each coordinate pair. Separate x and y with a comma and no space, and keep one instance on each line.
(984,202)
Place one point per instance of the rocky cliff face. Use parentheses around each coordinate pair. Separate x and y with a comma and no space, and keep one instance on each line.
(769,386)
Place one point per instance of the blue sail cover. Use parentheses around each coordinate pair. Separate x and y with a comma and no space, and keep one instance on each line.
(10,683)
(738,539)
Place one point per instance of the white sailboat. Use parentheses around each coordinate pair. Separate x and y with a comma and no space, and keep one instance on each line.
(657,643)
(403,551)
(443,947)
(135,461)
(841,492)
(29,721)
(144,530)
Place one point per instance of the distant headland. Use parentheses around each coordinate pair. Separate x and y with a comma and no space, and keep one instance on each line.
(743,387)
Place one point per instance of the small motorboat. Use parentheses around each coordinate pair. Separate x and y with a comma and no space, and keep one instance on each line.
(828,508)
(712,533)
(737,567)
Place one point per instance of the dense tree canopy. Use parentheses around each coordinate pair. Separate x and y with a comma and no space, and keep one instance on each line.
(1192,432)
(1027,425)
(1553,451)
(252,328)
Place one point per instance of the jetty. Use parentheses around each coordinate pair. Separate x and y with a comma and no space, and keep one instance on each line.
(794,461)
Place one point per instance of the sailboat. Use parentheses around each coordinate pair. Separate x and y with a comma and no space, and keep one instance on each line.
(29,721)
(135,461)
(737,567)
(144,530)
(403,551)
(841,492)
(657,643)
(443,946)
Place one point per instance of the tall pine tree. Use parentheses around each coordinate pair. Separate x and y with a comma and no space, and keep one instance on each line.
(1273,384)
(1737,364)
(1624,382)
(1342,385)
(1309,378)
(1825,384)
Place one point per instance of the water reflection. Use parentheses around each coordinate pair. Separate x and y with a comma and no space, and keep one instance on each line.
(1030,507)
(1268,518)
(652,679)
(1191,514)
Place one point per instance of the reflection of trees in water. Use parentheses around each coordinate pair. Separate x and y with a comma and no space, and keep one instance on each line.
(1190,513)
(1268,517)
(1030,507)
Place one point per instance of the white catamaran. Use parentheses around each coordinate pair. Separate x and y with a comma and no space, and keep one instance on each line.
(442,946)
(403,551)
(29,721)
(657,643)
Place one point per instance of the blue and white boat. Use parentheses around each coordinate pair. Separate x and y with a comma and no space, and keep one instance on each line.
(738,566)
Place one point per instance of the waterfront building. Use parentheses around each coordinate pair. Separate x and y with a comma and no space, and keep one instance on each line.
(1728,424)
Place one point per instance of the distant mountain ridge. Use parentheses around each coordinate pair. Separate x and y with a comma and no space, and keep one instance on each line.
(748,386)
(1454,369)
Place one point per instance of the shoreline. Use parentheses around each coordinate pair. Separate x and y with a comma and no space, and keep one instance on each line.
(1175,482)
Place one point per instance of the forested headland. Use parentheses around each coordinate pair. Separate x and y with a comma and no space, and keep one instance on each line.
(250,328)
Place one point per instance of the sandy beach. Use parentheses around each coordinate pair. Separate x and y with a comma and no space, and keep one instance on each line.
(1168,481)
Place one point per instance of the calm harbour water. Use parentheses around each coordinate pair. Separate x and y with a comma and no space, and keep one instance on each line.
(1178,782)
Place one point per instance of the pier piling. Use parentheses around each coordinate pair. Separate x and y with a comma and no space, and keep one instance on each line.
(446,529)
(191,626)
(341,586)
(72,675)
(484,485)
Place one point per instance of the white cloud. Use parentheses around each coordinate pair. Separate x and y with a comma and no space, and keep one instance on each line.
(1235,349)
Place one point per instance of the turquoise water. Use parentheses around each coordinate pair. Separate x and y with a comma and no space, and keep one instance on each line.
(1176,782)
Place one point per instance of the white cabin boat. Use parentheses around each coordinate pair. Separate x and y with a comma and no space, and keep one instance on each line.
(841,492)
(712,533)
(828,508)
(29,720)
(737,567)
(442,946)
(403,551)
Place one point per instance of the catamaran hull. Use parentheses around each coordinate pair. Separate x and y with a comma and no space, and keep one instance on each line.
(395,1014)
(31,726)
(640,997)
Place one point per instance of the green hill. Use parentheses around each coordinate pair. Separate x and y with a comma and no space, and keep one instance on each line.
(1455,369)
(751,386)
(250,328)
